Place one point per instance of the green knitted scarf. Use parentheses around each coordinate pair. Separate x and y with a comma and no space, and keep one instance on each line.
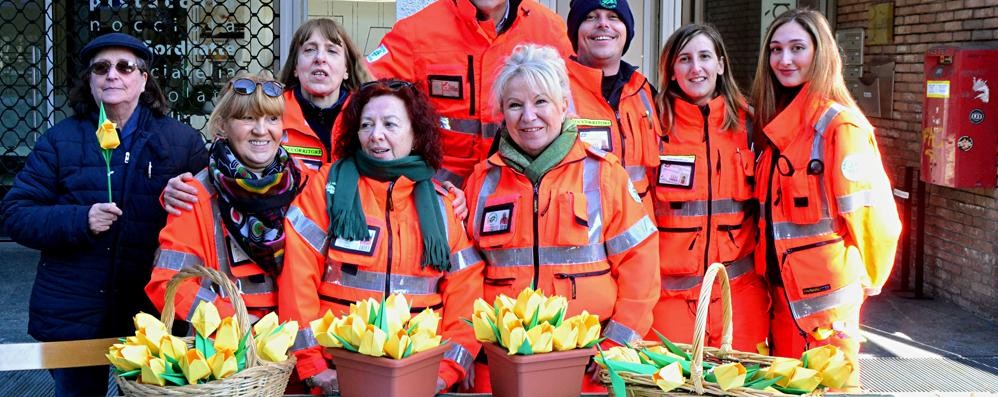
(346,215)
(535,168)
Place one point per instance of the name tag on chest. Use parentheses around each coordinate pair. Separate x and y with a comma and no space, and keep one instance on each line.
(363,247)
(497,219)
(677,171)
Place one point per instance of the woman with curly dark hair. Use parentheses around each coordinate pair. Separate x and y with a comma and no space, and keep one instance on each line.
(374,223)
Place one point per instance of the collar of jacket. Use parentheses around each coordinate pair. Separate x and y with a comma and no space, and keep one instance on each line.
(796,121)
(294,117)
(689,114)
(592,78)
(469,13)
(576,153)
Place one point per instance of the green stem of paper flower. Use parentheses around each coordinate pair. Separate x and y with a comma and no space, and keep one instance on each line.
(107,163)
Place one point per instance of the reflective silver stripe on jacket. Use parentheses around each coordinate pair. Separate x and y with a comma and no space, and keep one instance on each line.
(647,102)
(699,208)
(204,294)
(635,172)
(375,281)
(511,257)
(851,294)
(855,201)
(488,187)
(205,180)
(175,260)
(470,126)
(620,333)
(594,199)
(444,175)
(630,238)
(460,355)
(464,259)
(309,230)
(735,269)
(790,230)
(305,339)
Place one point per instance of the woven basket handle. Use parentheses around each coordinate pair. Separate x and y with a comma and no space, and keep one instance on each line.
(700,329)
(242,317)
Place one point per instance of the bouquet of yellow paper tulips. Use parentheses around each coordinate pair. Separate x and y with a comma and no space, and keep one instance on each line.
(379,329)
(668,367)
(225,357)
(533,323)
(153,356)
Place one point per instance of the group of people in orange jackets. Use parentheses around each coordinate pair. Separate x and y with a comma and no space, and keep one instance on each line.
(498,153)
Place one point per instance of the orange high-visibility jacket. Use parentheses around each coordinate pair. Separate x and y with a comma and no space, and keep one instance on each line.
(454,58)
(828,201)
(631,132)
(199,237)
(703,186)
(704,207)
(326,273)
(301,142)
(581,233)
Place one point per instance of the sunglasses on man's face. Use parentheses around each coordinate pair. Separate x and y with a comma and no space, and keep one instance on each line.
(272,89)
(102,68)
(392,84)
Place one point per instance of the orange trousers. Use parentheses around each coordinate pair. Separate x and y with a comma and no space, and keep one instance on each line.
(788,340)
(675,314)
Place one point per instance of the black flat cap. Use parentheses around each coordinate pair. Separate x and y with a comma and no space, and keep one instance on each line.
(116,40)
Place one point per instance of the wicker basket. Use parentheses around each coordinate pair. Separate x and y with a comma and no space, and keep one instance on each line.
(259,378)
(644,386)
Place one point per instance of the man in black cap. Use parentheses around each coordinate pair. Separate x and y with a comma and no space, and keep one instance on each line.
(97,224)
(612,100)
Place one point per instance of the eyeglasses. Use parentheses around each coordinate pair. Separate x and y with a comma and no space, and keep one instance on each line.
(393,84)
(102,68)
(272,89)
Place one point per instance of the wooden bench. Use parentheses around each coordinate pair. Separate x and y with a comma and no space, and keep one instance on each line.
(51,355)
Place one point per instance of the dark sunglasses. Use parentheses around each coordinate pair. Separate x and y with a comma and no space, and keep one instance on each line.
(102,68)
(393,84)
(272,89)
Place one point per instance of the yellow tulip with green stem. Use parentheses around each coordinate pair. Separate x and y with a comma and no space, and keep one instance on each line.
(107,137)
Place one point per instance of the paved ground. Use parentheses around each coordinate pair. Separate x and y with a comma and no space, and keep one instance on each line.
(923,347)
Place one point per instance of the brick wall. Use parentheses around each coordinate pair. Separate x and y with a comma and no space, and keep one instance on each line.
(738,22)
(961,247)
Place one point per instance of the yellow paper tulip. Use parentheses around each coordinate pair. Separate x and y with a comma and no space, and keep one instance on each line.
(373,342)
(483,331)
(274,346)
(147,321)
(662,350)
(669,377)
(324,328)
(527,303)
(517,337)
(481,306)
(589,328)
(205,319)
(424,340)
(396,312)
(356,329)
(730,375)
(784,367)
(541,338)
(127,357)
(836,373)
(266,324)
(227,336)
(397,343)
(804,379)
(550,308)
(426,320)
(566,336)
(223,364)
(818,358)
(153,372)
(504,302)
(194,366)
(172,346)
(507,322)
(622,353)
(365,309)
(822,333)
(107,135)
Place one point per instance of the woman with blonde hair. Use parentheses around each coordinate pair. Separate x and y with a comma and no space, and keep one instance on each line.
(830,225)
(703,191)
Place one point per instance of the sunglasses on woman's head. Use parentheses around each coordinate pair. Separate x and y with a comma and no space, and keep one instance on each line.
(272,89)
(392,84)
(102,68)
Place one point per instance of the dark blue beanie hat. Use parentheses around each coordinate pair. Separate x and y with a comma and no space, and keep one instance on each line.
(580,8)
(116,40)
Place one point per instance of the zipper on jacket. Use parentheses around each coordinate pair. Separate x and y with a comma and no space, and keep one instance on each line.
(505,281)
(471,84)
(388,231)
(806,247)
(705,111)
(800,331)
(684,230)
(537,242)
(572,276)
(729,228)
(623,140)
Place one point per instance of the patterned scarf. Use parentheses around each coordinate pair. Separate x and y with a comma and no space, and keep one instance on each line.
(253,207)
